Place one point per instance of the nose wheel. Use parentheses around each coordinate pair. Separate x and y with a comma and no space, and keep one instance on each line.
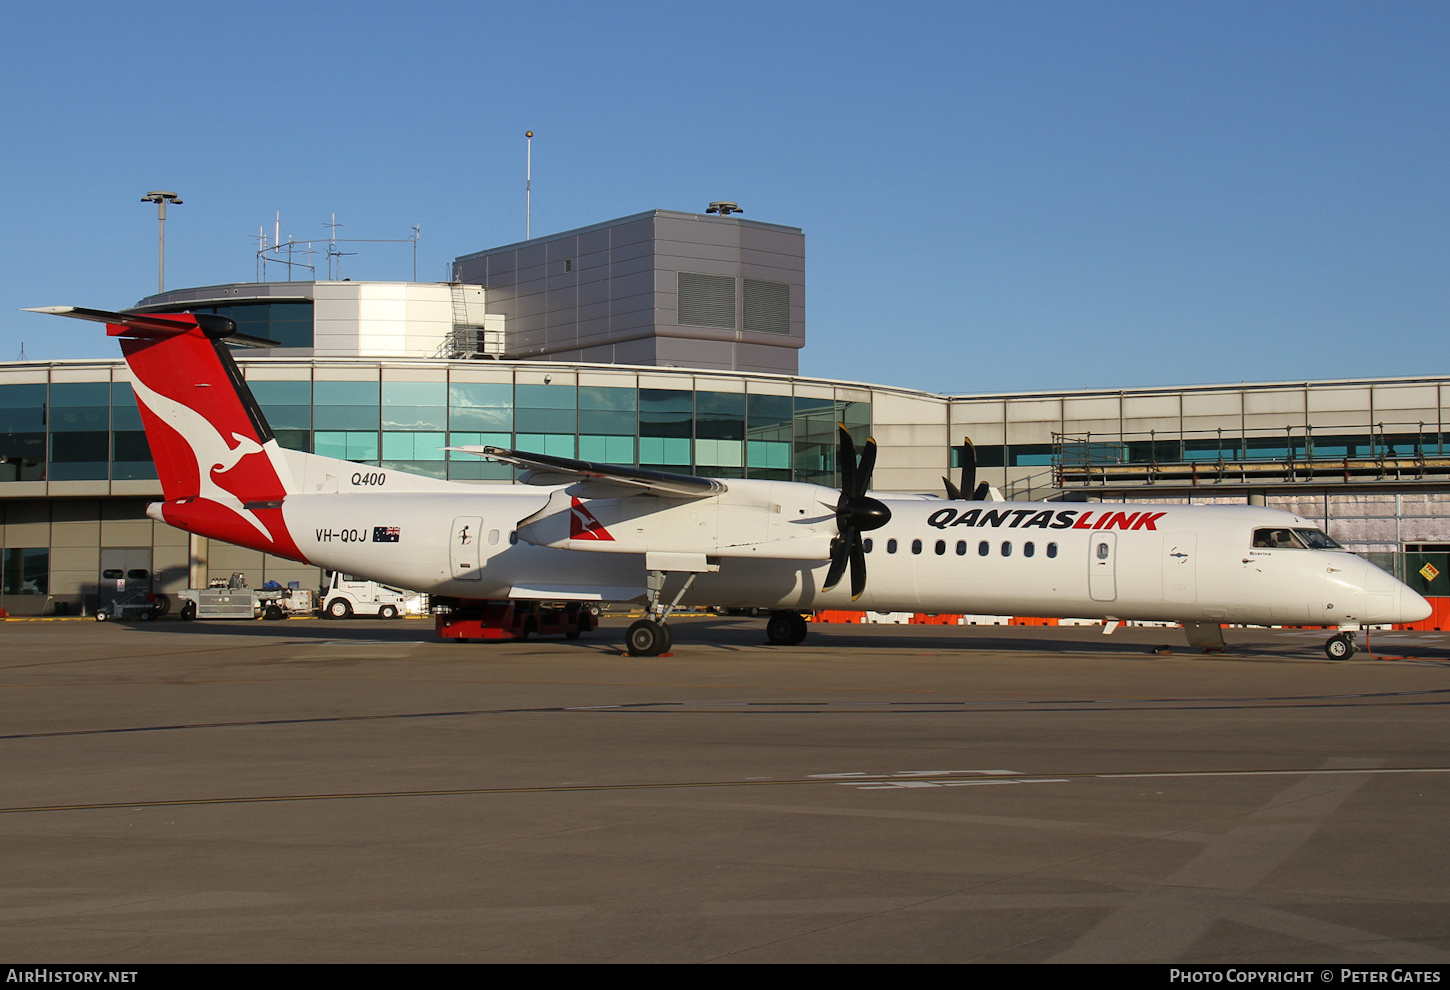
(1341,647)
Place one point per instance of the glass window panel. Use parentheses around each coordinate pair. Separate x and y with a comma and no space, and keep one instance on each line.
(22,408)
(666,413)
(413,446)
(545,409)
(608,410)
(719,453)
(555,444)
(26,571)
(287,405)
(768,454)
(80,406)
(349,406)
(415,406)
(347,445)
(22,457)
(672,451)
(769,417)
(124,413)
(606,449)
(720,415)
(487,408)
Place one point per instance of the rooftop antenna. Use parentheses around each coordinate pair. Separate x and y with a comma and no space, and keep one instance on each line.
(417,233)
(724,208)
(528,183)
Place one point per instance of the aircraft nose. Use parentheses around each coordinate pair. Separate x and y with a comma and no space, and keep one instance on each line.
(1387,600)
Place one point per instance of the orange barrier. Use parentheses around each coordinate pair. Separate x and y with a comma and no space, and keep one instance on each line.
(922,619)
(1027,620)
(837,615)
(1438,621)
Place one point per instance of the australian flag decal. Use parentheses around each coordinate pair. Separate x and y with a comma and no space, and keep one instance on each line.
(385,534)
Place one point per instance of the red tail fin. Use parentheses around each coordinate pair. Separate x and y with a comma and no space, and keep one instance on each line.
(221,472)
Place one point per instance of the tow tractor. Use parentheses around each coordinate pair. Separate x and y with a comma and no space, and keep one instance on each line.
(467,619)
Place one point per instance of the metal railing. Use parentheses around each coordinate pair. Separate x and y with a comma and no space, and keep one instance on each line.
(1381,452)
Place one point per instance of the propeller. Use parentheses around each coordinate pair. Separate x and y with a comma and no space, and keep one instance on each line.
(969,476)
(856,513)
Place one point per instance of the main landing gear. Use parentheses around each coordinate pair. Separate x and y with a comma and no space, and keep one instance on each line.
(785,628)
(1341,646)
(651,637)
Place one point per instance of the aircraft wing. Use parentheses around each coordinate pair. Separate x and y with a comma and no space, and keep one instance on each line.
(593,480)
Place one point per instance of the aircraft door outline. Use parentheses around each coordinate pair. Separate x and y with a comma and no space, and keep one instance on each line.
(1102,567)
(463,552)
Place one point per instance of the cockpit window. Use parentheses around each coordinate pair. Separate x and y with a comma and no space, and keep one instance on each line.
(1277,539)
(1317,540)
(1293,539)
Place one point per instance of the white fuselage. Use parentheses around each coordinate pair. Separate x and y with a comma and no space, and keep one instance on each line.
(767,544)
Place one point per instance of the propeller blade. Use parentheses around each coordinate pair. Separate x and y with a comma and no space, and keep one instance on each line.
(980,495)
(840,555)
(969,468)
(846,459)
(858,567)
(868,466)
(953,492)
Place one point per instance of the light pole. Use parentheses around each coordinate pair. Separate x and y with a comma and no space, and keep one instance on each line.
(528,182)
(161,198)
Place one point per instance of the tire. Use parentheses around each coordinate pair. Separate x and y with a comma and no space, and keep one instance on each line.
(647,638)
(785,628)
(274,613)
(188,611)
(387,612)
(338,608)
(163,605)
(1339,648)
(147,615)
(100,615)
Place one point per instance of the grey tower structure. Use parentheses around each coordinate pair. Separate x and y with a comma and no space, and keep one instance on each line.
(659,288)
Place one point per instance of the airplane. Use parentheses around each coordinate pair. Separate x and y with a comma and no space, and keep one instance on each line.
(579,531)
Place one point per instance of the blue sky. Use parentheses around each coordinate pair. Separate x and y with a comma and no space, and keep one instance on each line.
(996,196)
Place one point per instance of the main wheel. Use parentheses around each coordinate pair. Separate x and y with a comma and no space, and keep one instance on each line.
(338,608)
(163,605)
(387,612)
(785,628)
(1339,647)
(188,611)
(647,638)
(274,613)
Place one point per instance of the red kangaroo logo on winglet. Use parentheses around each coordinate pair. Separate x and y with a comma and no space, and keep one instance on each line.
(583,525)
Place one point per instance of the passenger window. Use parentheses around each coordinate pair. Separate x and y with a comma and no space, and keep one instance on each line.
(513,537)
(890,546)
(1006,548)
(941,547)
(866,544)
(961,548)
(493,537)
(983,549)
(1052,549)
(1028,549)
(916,546)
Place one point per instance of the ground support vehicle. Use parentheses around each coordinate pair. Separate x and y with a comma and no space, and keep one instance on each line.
(345,596)
(137,605)
(464,619)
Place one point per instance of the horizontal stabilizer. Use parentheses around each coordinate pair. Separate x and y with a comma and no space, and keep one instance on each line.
(161,325)
(544,469)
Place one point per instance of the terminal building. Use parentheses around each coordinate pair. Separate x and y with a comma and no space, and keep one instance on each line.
(669,340)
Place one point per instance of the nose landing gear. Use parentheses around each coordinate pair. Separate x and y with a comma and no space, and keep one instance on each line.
(1341,646)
